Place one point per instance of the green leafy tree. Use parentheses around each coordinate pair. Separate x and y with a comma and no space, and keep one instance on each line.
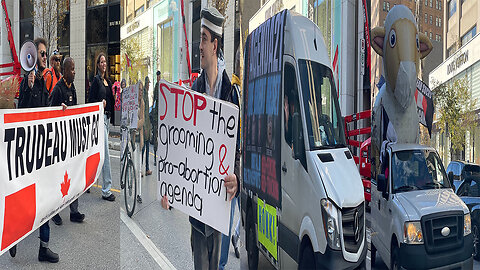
(131,47)
(455,111)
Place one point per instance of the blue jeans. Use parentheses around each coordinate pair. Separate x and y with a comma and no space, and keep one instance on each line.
(226,238)
(106,172)
(45,232)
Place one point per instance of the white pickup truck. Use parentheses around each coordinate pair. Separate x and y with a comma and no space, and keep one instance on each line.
(417,220)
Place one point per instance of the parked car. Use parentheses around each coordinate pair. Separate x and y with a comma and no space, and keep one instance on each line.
(459,168)
(468,189)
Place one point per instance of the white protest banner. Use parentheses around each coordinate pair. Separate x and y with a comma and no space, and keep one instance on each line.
(196,148)
(48,158)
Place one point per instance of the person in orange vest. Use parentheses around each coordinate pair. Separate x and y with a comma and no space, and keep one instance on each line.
(52,75)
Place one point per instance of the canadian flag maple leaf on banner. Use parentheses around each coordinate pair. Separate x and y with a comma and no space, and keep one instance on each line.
(65,185)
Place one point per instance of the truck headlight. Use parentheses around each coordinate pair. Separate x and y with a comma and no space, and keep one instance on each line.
(467,225)
(412,233)
(330,214)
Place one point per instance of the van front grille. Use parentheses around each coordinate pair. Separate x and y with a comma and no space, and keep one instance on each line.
(353,227)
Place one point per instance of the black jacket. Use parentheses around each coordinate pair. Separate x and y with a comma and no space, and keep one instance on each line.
(37,96)
(62,94)
(229,94)
(99,92)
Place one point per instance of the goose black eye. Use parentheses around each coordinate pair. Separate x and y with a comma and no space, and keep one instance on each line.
(393,38)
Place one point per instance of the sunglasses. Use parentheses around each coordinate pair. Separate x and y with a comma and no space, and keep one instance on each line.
(43,53)
(56,59)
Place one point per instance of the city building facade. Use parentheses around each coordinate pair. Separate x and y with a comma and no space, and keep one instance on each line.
(461,60)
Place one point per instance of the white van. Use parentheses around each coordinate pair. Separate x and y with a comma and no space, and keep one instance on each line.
(418,222)
(302,196)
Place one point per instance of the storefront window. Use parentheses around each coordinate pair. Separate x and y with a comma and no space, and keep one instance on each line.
(165,36)
(91,3)
(97,25)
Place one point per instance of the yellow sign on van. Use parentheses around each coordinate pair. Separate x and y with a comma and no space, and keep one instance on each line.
(267,227)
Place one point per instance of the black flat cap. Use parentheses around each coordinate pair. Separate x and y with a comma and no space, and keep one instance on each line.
(158,72)
(212,20)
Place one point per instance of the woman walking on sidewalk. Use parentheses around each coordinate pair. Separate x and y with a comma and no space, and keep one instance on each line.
(101,91)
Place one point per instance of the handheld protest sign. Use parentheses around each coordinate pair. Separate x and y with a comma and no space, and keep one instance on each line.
(48,157)
(130,106)
(196,150)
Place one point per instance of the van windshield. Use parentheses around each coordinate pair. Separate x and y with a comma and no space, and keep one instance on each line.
(322,112)
(417,169)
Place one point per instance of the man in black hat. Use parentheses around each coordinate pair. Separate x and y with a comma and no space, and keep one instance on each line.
(212,81)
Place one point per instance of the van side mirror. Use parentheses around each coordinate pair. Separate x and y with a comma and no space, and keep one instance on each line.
(382,185)
(450,178)
(298,144)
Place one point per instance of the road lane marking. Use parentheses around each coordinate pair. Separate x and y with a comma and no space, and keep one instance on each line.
(112,189)
(115,156)
(156,254)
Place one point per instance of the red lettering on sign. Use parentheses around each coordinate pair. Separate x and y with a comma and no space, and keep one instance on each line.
(164,99)
(197,106)
(183,105)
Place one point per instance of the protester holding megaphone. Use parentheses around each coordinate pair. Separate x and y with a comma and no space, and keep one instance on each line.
(33,93)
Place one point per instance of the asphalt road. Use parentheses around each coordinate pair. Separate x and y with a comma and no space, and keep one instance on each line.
(154,238)
(93,244)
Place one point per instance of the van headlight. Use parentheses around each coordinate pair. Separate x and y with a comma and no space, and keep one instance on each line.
(412,233)
(467,225)
(330,224)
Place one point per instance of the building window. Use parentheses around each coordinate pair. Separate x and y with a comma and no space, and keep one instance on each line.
(451,50)
(91,3)
(452,8)
(384,6)
(165,37)
(469,35)
(436,21)
(431,3)
(96,25)
(431,35)
(439,22)
(426,18)
(431,19)
(426,2)
(436,4)
(439,5)
(139,10)
(388,6)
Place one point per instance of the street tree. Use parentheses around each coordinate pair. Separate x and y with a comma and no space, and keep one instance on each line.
(455,111)
(131,48)
(48,14)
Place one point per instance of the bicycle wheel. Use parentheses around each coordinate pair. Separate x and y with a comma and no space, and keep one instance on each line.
(130,188)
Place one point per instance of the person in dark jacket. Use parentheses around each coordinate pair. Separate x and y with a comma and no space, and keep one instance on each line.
(33,94)
(64,94)
(101,91)
(213,81)
(154,117)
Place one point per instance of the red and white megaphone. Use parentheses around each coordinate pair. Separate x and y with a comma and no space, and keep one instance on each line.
(28,56)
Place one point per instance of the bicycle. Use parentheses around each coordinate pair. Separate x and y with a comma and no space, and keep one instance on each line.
(129,183)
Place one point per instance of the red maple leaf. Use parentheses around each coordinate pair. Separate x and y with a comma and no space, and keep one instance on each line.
(65,185)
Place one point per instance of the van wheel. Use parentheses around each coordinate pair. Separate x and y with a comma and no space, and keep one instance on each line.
(307,260)
(394,263)
(373,252)
(476,242)
(252,249)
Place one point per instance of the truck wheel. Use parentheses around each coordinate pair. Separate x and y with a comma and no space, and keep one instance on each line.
(394,263)
(373,254)
(252,249)
(476,241)
(307,260)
